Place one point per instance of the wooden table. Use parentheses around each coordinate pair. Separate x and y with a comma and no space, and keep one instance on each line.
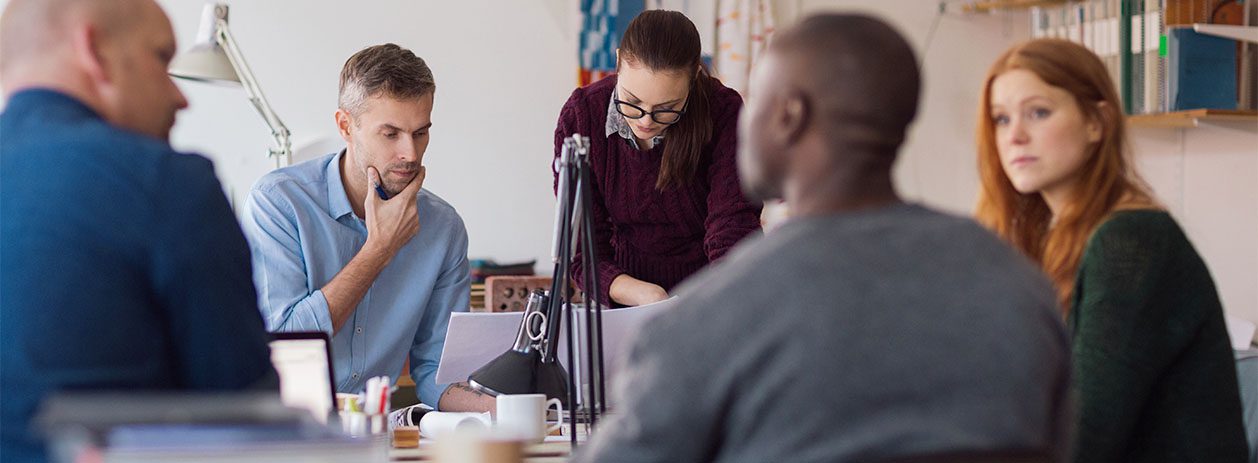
(554,450)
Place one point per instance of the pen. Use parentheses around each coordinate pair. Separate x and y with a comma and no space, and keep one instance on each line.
(380,191)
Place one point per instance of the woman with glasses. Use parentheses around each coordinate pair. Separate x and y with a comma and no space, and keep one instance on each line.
(1153,367)
(667,199)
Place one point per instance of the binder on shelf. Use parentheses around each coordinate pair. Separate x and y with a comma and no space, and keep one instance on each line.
(1159,69)
(1137,81)
(1131,39)
(1201,71)
(1110,39)
(1154,64)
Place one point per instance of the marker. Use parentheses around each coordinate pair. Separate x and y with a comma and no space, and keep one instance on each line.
(371,396)
(384,395)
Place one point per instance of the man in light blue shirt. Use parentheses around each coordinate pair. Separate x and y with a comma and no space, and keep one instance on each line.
(350,244)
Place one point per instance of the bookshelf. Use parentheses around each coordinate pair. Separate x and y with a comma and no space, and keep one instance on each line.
(1144,24)
(1193,118)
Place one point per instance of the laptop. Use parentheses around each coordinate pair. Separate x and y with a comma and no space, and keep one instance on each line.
(303,360)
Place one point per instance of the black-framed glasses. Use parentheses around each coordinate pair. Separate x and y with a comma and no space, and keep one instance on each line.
(662,116)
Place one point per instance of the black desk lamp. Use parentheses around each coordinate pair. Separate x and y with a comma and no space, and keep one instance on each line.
(525,369)
(531,365)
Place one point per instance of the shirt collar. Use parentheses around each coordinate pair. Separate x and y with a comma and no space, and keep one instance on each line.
(616,124)
(47,100)
(338,201)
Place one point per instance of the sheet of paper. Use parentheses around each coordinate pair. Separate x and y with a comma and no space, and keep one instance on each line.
(473,339)
(1241,332)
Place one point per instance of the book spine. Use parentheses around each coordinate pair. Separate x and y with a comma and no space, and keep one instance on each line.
(1125,58)
(1136,48)
(1153,76)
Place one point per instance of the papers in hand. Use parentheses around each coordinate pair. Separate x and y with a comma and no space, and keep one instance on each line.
(473,339)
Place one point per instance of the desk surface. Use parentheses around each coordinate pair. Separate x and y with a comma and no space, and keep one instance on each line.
(554,450)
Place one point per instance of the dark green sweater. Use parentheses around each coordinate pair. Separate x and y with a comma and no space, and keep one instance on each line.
(1153,367)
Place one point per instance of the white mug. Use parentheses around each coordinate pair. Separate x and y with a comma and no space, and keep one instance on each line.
(523,416)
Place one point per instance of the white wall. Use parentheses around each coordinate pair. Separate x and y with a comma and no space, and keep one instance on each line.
(512,65)
(1207,176)
(937,163)
(503,70)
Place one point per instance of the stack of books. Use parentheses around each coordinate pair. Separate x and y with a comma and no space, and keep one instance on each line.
(485,268)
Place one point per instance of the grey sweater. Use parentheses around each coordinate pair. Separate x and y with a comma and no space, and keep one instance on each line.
(854,337)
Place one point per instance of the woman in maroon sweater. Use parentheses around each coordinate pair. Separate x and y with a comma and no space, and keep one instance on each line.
(667,199)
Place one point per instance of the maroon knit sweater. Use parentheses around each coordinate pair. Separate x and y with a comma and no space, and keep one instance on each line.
(658,236)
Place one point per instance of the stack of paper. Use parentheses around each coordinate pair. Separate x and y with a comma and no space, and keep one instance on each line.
(473,339)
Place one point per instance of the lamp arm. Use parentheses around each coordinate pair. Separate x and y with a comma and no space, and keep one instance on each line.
(283,151)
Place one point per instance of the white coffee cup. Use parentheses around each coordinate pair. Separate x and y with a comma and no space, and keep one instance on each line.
(523,416)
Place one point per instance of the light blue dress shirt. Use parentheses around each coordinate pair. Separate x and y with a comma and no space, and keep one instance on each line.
(302,232)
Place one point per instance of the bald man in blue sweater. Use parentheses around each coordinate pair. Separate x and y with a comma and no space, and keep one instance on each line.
(121,265)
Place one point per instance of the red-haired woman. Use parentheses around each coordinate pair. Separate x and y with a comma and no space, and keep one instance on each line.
(1153,366)
(662,150)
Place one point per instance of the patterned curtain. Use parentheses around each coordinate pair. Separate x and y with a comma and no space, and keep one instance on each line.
(743,29)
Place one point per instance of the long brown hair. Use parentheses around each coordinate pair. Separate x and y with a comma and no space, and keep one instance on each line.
(1107,181)
(667,41)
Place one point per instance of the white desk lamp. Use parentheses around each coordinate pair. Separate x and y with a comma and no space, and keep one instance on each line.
(215,57)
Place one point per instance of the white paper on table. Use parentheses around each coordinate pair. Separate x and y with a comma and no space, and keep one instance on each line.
(1241,332)
(473,339)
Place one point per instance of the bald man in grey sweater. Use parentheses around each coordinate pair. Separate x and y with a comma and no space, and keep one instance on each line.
(864,328)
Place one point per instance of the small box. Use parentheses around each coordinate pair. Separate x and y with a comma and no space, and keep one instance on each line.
(406,437)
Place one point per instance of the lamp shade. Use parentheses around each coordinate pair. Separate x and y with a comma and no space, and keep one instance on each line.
(206,61)
(516,372)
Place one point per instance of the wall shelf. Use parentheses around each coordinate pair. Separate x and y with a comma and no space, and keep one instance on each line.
(984,6)
(1193,118)
(1238,33)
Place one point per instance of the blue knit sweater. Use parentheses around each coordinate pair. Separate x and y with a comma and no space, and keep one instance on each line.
(121,267)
